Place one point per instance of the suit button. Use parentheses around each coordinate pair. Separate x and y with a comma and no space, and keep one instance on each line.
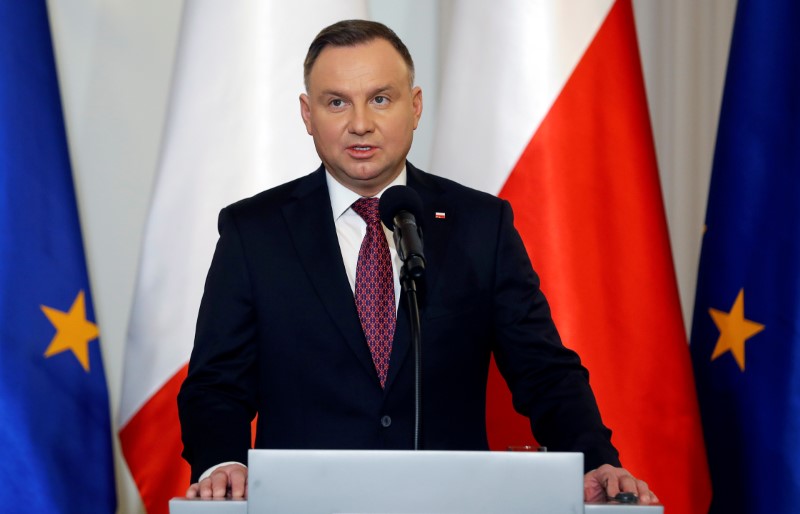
(386,422)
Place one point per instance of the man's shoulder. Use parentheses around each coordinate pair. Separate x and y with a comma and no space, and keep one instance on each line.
(275,198)
(455,194)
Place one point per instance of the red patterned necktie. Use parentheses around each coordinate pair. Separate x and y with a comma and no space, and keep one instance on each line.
(375,288)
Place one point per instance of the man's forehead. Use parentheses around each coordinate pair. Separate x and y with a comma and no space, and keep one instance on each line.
(374,61)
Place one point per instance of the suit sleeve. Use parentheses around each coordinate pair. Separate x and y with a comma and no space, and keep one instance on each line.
(216,403)
(547,381)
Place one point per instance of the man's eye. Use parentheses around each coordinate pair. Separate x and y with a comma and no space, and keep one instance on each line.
(380,100)
(337,102)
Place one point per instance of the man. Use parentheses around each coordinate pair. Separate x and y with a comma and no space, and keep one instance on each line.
(286,330)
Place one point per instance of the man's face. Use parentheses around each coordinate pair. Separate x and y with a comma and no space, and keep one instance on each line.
(362,112)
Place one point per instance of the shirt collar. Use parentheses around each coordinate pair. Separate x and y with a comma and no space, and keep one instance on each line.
(342,198)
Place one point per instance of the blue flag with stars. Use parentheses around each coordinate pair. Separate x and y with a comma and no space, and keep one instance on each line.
(745,340)
(55,432)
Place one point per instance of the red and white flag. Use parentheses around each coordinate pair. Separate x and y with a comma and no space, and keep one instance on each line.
(233,129)
(543,104)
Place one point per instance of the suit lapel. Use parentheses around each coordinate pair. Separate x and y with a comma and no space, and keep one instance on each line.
(313,233)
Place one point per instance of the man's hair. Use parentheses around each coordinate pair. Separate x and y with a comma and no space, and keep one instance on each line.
(354,33)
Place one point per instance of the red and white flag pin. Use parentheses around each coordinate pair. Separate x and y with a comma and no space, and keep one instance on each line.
(439,215)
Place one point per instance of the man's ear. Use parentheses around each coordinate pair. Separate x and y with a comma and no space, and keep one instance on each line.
(305,112)
(416,104)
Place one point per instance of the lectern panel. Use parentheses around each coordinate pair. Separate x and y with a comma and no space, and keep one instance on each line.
(405,482)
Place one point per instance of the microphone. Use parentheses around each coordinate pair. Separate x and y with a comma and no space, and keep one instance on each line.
(400,208)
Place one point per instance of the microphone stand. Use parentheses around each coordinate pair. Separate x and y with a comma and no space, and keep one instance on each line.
(410,288)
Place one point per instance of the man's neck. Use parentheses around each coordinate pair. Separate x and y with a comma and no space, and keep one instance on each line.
(343,197)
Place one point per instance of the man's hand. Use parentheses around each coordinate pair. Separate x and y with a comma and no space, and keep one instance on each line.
(605,482)
(228,481)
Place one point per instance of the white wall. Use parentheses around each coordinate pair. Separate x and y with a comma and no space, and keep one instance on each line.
(115,59)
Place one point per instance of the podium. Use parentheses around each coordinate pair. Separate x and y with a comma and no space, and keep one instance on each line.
(407,482)
(184,506)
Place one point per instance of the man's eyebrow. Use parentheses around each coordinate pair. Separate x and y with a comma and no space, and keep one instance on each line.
(331,92)
(378,90)
(383,89)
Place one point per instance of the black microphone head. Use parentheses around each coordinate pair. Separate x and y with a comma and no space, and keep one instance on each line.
(396,199)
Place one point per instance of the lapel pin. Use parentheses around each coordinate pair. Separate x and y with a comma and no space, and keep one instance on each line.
(439,216)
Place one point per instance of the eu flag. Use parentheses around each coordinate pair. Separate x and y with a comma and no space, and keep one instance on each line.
(55,433)
(746,332)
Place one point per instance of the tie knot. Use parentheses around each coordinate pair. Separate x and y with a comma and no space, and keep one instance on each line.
(367,208)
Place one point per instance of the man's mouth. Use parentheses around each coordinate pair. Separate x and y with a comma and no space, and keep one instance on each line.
(361,151)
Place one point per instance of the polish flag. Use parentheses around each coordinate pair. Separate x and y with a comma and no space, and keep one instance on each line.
(544,105)
(233,129)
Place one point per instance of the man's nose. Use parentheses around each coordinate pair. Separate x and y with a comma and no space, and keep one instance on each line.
(361,121)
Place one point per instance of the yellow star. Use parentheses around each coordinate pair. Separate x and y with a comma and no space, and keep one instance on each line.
(73,331)
(734,330)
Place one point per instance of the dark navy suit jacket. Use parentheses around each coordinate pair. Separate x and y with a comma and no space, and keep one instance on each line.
(278,334)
